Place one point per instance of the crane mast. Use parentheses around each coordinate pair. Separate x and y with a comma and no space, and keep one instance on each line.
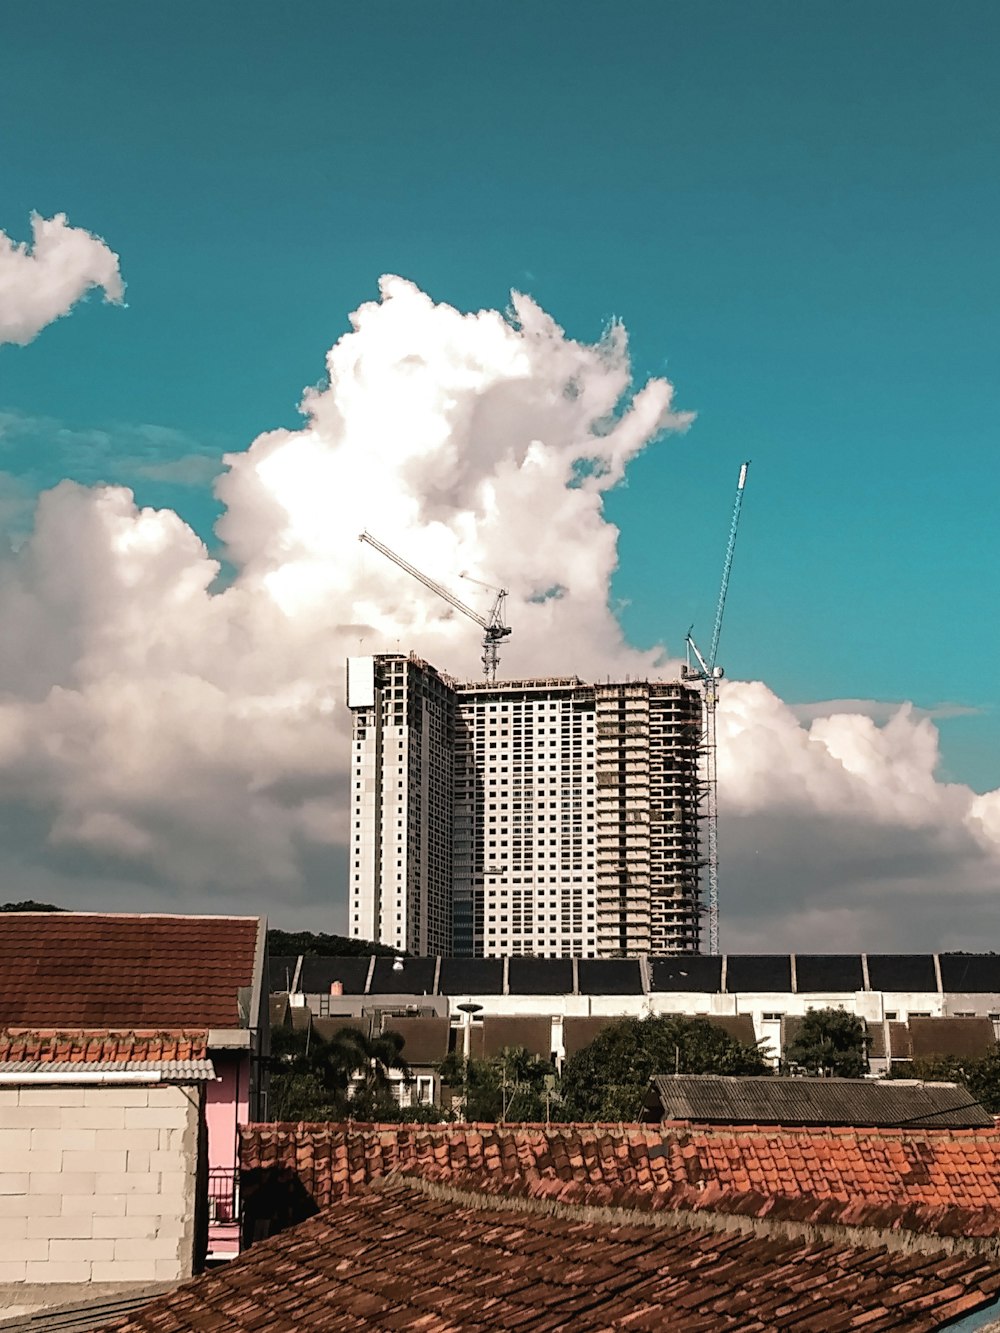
(493,625)
(708,674)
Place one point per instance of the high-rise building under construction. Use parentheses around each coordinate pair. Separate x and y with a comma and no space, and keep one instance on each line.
(543,816)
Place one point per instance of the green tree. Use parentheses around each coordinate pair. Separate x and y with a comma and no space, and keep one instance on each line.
(510,1087)
(283,943)
(981,1077)
(609,1079)
(830,1042)
(344,1077)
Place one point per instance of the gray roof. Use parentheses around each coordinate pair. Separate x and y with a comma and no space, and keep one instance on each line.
(730,974)
(777,1100)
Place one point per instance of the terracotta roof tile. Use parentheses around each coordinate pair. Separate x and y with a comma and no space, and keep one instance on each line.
(103,1047)
(954,1171)
(81,970)
(395,1258)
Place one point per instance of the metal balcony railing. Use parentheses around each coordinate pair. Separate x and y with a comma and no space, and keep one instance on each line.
(223,1195)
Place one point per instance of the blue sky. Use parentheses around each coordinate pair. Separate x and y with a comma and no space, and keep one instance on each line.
(792,207)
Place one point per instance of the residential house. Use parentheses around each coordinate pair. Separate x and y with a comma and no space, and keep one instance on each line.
(115,1031)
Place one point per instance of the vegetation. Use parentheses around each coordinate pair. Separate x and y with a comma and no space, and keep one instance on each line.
(311,1078)
(981,1077)
(513,1086)
(282,943)
(29,906)
(830,1042)
(609,1079)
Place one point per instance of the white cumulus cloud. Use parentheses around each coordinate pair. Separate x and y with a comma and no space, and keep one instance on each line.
(44,280)
(171,736)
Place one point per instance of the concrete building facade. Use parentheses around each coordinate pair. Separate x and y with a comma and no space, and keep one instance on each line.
(542,816)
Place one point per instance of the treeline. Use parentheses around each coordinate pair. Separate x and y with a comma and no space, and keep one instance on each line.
(286,943)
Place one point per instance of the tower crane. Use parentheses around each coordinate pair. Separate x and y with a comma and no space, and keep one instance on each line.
(493,625)
(708,674)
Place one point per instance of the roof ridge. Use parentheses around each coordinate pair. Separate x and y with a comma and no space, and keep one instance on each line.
(62,914)
(824,1230)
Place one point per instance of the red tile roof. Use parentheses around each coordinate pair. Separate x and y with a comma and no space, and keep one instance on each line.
(101,1047)
(932,1168)
(84,970)
(398,1258)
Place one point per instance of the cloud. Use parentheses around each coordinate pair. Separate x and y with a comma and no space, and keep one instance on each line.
(43,281)
(44,450)
(183,743)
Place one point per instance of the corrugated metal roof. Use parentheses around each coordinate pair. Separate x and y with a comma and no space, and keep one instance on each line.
(170,1071)
(775,1100)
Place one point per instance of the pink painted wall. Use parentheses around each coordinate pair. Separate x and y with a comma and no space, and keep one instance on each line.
(227,1106)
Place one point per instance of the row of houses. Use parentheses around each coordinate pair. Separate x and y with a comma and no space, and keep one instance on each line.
(136,1150)
(554,1007)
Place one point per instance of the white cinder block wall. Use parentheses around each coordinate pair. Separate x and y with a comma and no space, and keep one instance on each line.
(98,1183)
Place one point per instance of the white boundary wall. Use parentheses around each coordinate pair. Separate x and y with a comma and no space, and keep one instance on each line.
(98,1183)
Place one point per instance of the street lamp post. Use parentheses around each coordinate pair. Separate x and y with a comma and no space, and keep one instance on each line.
(468,1011)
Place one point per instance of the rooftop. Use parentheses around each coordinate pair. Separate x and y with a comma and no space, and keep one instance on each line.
(714,1099)
(408,1255)
(84,970)
(316,1165)
(729,974)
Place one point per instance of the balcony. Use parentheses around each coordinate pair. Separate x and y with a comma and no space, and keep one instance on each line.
(223,1213)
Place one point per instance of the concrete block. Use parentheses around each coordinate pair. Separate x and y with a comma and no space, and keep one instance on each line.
(94,1161)
(126,1228)
(78,1227)
(143,1140)
(12,1228)
(169,1269)
(62,1182)
(120,1182)
(175,1228)
(152,1205)
(121,1270)
(99,1117)
(112,1096)
(81,1251)
(61,1096)
(65,1271)
(13,1182)
(160,1247)
(29,1161)
(138,1162)
(176,1184)
(31,1117)
(29,1205)
(93,1205)
(175,1140)
(12,1270)
(167,1161)
(60,1140)
(155,1117)
(8,1097)
(15,1140)
(26,1248)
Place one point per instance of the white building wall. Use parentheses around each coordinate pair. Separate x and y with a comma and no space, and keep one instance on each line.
(525,799)
(98,1183)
